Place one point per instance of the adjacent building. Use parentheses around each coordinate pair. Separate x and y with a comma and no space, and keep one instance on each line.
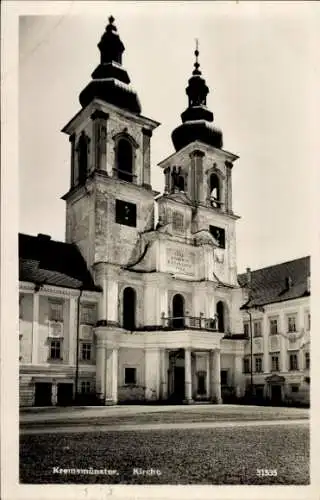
(276,315)
(130,309)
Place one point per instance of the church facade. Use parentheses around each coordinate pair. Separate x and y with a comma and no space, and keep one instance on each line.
(128,309)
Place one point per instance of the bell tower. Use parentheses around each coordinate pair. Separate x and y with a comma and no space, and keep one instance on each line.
(110,200)
(198,182)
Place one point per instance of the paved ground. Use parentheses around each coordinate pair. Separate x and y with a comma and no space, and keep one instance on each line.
(220,455)
(113,415)
(207,444)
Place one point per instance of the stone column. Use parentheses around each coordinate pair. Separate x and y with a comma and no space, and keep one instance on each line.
(166,172)
(72,140)
(101,280)
(146,178)
(73,330)
(163,374)
(152,373)
(187,375)
(35,329)
(208,377)
(100,370)
(99,150)
(228,190)
(215,376)
(114,358)
(111,376)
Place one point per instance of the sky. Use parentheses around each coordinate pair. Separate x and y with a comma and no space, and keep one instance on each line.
(257,59)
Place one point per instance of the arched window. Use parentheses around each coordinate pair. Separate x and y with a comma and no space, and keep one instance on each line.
(178,311)
(215,191)
(129,309)
(83,154)
(181,183)
(124,160)
(220,316)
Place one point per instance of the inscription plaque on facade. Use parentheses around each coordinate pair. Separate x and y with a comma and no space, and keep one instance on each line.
(180,261)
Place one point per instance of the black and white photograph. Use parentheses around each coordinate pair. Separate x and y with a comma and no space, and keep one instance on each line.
(163,236)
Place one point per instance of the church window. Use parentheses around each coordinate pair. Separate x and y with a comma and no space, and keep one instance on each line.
(219,235)
(129,309)
(178,180)
(130,376)
(83,156)
(215,191)
(221,316)
(126,213)
(178,311)
(124,160)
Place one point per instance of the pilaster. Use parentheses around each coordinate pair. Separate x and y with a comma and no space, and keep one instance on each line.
(99,152)
(215,376)
(73,302)
(100,370)
(111,376)
(152,373)
(146,178)
(35,329)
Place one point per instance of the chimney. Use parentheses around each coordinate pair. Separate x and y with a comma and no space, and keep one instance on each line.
(288,282)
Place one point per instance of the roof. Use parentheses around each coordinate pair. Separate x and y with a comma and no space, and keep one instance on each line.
(45,261)
(278,283)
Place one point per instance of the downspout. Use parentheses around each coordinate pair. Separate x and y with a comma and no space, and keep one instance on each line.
(77,345)
(251,351)
(249,285)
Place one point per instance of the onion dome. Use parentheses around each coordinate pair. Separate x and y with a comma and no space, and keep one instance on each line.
(110,81)
(197,118)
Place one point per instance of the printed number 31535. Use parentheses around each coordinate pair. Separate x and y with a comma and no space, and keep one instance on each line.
(267,472)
